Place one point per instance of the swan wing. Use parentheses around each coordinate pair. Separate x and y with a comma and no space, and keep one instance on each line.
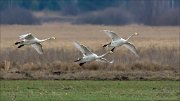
(104,60)
(112,35)
(78,46)
(82,48)
(38,48)
(132,48)
(27,36)
(87,50)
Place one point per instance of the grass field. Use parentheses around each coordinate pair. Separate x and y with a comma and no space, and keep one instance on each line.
(28,76)
(50,90)
(158,48)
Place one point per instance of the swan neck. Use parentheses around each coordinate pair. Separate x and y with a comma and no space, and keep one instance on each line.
(104,54)
(45,39)
(129,37)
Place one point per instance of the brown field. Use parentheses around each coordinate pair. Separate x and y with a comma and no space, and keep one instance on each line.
(158,49)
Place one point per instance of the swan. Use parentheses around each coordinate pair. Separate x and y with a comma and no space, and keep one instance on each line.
(29,39)
(118,41)
(88,55)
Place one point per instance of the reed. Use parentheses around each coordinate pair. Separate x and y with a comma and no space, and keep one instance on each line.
(158,49)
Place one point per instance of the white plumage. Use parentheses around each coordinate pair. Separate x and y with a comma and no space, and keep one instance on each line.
(29,39)
(88,55)
(118,41)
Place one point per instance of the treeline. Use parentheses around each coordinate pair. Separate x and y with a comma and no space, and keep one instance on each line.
(56,5)
(88,5)
(108,12)
(147,12)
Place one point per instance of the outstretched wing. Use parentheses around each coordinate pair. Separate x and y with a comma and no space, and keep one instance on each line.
(38,48)
(112,35)
(78,46)
(83,48)
(27,36)
(132,48)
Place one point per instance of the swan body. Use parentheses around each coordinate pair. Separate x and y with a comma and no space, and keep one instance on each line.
(29,39)
(118,41)
(88,55)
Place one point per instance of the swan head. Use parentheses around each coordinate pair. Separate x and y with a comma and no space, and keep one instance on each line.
(112,61)
(105,30)
(52,38)
(136,33)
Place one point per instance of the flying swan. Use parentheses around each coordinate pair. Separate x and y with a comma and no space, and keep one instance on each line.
(88,55)
(29,39)
(118,41)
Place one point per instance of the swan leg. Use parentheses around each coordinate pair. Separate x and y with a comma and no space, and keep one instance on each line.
(20,46)
(17,43)
(80,64)
(112,50)
(106,44)
(77,60)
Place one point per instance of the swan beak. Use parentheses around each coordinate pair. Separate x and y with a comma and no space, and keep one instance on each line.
(106,30)
(112,61)
(136,33)
(103,30)
(53,38)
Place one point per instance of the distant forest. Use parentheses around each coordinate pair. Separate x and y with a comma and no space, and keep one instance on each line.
(149,12)
(55,5)
(85,5)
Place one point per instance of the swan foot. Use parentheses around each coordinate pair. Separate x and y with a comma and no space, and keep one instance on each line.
(77,60)
(80,64)
(112,50)
(106,45)
(17,43)
(20,46)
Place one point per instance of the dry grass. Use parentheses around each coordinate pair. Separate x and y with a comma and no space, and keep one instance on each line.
(158,49)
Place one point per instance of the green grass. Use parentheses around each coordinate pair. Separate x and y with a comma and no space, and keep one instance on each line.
(50,90)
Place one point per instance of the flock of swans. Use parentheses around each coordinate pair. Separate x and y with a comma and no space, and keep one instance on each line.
(88,55)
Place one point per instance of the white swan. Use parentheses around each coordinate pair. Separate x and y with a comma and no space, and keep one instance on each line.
(88,55)
(118,41)
(29,39)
